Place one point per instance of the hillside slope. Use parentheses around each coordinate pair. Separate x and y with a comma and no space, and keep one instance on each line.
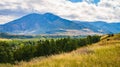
(101,26)
(106,53)
(49,23)
(39,24)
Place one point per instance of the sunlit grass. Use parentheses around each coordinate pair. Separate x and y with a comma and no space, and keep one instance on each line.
(102,54)
(3,39)
(91,56)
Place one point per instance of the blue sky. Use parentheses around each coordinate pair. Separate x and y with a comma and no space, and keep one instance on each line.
(96,1)
(93,1)
(76,0)
(83,10)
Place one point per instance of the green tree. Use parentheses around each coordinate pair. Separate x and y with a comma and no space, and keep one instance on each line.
(6,53)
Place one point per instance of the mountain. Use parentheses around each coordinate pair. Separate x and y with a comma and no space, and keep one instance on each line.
(39,24)
(103,27)
(117,26)
(49,23)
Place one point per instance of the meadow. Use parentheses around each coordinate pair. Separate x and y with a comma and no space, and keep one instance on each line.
(105,53)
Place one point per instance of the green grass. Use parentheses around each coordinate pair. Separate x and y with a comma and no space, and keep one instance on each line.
(6,65)
(102,54)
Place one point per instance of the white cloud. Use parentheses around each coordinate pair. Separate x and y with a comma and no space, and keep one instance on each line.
(4,19)
(106,10)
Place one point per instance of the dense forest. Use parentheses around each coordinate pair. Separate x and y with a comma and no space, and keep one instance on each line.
(16,50)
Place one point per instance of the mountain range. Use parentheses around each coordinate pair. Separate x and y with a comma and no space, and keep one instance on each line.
(49,23)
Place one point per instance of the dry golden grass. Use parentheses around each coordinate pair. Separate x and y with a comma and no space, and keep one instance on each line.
(102,54)
(3,39)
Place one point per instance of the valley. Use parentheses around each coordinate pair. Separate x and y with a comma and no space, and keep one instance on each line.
(104,53)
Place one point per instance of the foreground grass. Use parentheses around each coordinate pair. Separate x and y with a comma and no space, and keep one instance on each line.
(91,56)
(102,54)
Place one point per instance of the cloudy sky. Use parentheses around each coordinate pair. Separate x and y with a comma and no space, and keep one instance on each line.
(83,10)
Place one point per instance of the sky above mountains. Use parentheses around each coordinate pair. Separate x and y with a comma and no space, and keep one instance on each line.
(83,10)
(88,1)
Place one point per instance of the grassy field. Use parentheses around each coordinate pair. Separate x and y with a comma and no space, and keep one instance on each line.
(106,53)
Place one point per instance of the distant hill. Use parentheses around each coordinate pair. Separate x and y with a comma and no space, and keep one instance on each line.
(49,23)
(100,26)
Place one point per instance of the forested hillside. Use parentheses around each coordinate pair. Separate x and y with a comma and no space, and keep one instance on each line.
(105,53)
(18,50)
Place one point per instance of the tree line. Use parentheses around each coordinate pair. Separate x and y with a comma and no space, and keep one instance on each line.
(11,51)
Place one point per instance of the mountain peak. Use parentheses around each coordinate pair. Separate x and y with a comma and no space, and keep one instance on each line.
(45,14)
(34,14)
(48,16)
(51,16)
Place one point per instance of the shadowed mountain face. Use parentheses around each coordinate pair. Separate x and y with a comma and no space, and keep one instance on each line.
(51,24)
(107,27)
(103,27)
(38,24)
